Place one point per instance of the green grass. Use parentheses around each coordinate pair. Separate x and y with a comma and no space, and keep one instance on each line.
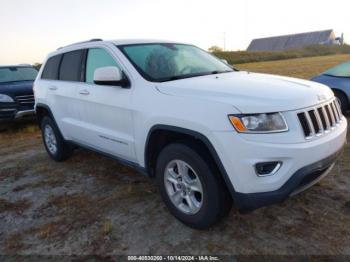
(239,57)
(300,67)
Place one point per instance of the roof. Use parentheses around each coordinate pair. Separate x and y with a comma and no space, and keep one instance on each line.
(140,41)
(88,43)
(119,42)
(93,42)
(291,41)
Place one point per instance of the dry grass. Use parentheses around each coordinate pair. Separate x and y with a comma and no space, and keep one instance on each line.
(117,212)
(51,183)
(18,206)
(107,227)
(240,57)
(301,67)
(13,243)
(93,205)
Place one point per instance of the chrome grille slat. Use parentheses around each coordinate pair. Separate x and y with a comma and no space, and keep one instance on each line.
(339,108)
(334,112)
(25,96)
(326,117)
(25,100)
(330,115)
(316,121)
(323,118)
(309,122)
(318,118)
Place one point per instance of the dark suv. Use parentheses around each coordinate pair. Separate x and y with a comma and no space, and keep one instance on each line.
(16,92)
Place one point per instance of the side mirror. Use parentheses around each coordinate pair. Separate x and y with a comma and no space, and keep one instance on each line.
(224,60)
(110,75)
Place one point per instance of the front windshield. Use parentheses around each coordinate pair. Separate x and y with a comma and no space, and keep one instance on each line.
(342,70)
(166,61)
(14,74)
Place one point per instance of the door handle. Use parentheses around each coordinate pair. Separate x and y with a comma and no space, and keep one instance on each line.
(84,92)
(53,87)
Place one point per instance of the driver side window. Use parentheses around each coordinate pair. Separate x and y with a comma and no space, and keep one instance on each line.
(96,58)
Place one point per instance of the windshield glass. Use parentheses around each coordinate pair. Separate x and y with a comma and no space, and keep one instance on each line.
(166,61)
(342,70)
(14,74)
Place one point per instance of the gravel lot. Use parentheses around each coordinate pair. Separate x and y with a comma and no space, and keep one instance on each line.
(90,204)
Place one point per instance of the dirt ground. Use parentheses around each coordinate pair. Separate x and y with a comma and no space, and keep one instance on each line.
(90,204)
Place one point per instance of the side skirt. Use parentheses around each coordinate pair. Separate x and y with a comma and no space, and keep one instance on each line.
(122,161)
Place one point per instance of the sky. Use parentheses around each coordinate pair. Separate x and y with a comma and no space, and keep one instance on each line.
(30,29)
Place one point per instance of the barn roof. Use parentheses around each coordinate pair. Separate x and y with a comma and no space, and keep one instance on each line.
(291,41)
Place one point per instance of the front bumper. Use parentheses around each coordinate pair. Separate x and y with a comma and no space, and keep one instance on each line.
(303,163)
(301,180)
(13,112)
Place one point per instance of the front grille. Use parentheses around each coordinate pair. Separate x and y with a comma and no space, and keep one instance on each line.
(27,100)
(319,120)
(312,177)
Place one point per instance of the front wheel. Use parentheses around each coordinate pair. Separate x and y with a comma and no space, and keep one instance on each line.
(190,189)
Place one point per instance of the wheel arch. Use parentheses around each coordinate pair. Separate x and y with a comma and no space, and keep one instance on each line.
(346,97)
(338,90)
(41,110)
(154,144)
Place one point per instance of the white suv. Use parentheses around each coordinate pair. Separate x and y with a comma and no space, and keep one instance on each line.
(209,133)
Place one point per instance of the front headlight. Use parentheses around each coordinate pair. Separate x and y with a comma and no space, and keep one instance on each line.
(259,123)
(6,99)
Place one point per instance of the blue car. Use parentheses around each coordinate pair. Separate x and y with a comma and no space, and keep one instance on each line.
(16,92)
(338,79)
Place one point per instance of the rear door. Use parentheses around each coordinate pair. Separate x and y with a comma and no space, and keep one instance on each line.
(62,75)
(106,113)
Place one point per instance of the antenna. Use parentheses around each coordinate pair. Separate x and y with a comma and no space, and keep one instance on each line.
(224,41)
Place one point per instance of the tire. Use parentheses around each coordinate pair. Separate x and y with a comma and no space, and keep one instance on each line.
(54,143)
(208,206)
(344,103)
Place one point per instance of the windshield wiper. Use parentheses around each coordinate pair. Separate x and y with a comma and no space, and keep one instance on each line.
(178,77)
(220,72)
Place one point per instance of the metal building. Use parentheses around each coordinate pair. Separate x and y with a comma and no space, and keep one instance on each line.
(326,37)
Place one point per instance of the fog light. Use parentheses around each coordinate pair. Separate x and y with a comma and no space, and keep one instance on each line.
(267,168)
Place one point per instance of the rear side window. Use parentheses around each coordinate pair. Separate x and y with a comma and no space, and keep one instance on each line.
(51,68)
(97,57)
(71,66)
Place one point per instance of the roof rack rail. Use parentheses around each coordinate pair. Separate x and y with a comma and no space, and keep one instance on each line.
(91,40)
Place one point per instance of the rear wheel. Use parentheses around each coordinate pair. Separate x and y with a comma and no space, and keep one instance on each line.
(189,187)
(54,143)
(343,100)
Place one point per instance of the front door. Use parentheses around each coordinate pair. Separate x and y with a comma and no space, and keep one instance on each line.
(105,111)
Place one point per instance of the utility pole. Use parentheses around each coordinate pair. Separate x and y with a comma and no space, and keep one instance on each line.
(224,41)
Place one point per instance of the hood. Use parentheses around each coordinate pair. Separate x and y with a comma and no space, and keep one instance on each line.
(251,92)
(17,88)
